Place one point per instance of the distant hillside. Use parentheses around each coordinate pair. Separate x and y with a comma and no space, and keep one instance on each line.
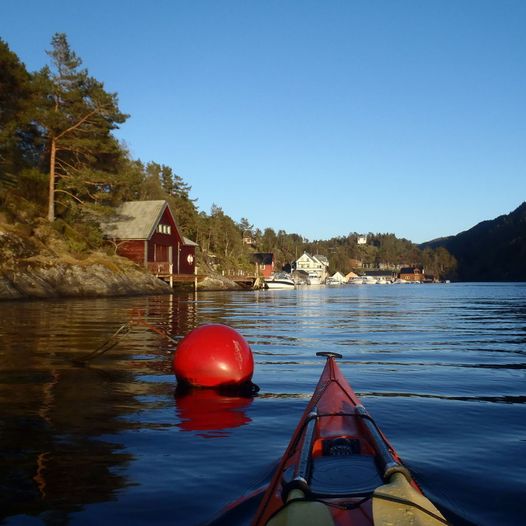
(493,250)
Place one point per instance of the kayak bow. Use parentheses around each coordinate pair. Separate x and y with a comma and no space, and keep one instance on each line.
(339,469)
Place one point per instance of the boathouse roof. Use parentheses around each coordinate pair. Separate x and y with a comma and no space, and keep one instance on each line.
(139,220)
(187,241)
(135,219)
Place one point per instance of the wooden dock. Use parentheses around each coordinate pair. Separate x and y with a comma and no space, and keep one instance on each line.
(247,282)
(165,271)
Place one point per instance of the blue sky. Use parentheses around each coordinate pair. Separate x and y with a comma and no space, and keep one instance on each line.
(316,117)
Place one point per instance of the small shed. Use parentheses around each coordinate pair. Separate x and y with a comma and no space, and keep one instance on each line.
(264,262)
(146,232)
(338,277)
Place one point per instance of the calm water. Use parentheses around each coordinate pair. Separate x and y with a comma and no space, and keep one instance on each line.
(440,367)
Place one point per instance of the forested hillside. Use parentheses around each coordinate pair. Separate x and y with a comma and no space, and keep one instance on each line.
(493,250)
(62,171)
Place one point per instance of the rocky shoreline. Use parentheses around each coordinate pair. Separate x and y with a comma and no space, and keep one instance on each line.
(84,281)
(40,267)
(79,281)
(63,280)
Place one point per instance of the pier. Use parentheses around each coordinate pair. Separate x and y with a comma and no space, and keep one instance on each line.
(165,270)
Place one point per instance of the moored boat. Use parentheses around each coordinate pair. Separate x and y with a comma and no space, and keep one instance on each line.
(280,280)
(339,469)
(356,280)
(314,278)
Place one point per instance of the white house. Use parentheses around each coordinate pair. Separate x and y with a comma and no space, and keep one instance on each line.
(362,240)
(339,277)
(315,266)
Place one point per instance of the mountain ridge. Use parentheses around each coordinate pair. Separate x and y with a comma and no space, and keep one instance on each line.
(492,250)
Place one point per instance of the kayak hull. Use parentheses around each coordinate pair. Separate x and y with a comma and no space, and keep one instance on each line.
(338,460)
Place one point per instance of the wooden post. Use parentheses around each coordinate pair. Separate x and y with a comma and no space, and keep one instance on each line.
(195,278)
(178,258)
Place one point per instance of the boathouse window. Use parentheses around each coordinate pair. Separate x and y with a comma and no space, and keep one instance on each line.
(164,229)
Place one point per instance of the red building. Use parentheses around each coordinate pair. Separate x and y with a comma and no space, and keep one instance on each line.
(146,232)
(411,274)
(264,262)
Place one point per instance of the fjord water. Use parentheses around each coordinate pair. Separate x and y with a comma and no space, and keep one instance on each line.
(440,367)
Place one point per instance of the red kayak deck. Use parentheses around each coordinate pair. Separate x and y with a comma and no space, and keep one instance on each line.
(337,456)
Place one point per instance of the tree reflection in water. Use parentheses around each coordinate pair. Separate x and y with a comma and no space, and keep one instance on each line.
(53,454)
(57,419)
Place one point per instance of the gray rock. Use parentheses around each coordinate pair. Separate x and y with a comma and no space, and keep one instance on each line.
(217,283)
(63,280)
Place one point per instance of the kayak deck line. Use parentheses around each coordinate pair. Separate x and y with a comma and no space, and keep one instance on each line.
(339,469)
(345,467)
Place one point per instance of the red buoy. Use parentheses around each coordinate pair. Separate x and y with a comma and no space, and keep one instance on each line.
(213,356)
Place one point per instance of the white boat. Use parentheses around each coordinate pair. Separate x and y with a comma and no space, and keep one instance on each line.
(332,282)
(363,280)
(314,279)
(357,280)
(281,280)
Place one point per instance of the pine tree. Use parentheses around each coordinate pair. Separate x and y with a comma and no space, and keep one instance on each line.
(167,180)
(77,117)
(18,136)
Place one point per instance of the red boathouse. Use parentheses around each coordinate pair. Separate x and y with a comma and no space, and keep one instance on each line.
(264,263)
(146,232)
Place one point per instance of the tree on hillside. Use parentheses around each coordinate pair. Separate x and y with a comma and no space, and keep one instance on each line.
(339,260)
(222,238)
(183,205)
(131,180)
(174,184)
(439,262)
(77,117)
(18,135)
(246,227)
(152,187)
(22,184)
(268,240)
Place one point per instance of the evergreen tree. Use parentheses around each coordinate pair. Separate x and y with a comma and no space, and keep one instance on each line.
(18,135)
(152,187)
(77,117)
(131,181)
(182,189)
(245,226)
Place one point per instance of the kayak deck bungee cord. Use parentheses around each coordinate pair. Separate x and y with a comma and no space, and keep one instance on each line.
(339,468)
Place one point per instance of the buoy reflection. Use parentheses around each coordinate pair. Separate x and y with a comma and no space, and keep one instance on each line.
(211,412)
